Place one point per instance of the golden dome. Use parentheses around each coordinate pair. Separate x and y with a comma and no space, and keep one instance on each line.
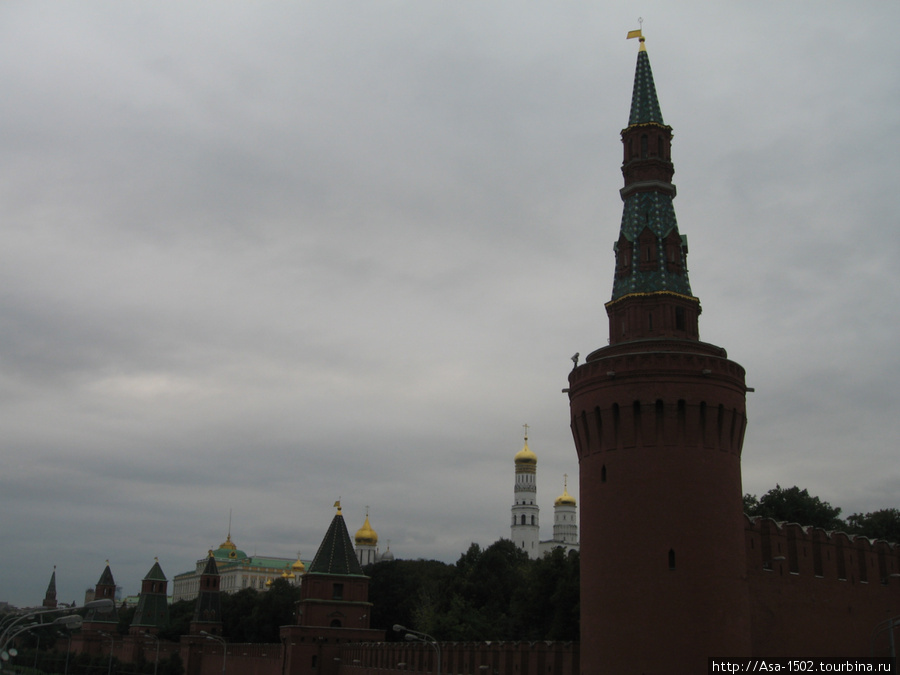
(565,498)
(366,536)
(525,455)
(298,566)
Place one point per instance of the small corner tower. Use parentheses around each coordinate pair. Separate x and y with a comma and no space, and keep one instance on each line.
(525,527)
(658,421)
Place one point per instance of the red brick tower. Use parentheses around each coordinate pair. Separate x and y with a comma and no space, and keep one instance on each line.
(658,419)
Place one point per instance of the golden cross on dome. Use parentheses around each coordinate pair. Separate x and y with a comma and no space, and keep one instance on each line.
(526,431)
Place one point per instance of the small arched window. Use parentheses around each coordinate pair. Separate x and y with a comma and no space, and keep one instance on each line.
(671,559)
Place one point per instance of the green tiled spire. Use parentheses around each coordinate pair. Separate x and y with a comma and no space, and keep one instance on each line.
(644,104)
(653,211)
(336,554)
(651,255)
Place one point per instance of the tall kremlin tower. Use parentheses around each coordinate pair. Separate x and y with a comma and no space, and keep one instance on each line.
(658,421)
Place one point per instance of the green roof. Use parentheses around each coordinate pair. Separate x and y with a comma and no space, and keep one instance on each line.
(649,209)
(336,554)
(155,573)
(644,103)
(653,211)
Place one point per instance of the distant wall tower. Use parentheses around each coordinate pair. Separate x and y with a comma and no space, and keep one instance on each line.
(525,527)
(658,421)
(50,596)
(152,611)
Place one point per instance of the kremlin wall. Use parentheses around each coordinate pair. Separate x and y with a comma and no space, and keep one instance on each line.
(672,571)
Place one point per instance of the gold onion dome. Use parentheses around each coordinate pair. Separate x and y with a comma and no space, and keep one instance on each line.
(298,566)
(525,455)
(564,498)
(366,536)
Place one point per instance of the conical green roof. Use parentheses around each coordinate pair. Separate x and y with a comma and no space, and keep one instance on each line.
(336,554)
(155,573)
(644,103)
(106,579)
(211,568)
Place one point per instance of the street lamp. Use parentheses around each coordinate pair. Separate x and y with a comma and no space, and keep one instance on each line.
(70,622)
(151,635)
(415,636)
(210,636)
(105,603)
(112,641)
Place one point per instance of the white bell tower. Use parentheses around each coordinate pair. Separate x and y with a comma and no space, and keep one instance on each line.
(525,527)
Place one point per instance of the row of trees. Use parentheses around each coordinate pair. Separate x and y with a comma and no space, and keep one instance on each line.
(798,506)
(496,593)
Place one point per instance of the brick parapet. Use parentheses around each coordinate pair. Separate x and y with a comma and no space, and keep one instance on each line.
(818,592)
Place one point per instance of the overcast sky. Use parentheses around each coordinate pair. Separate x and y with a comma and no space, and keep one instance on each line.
(258,257)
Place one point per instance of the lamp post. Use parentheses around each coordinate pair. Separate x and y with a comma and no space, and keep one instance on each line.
(112,641)
(154,637)
(417,636)
(105,603)
(70,622)
(210,636)
(68,637)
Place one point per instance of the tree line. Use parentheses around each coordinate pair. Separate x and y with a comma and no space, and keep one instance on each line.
(798,506)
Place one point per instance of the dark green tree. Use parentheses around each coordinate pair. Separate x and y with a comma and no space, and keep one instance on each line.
(882,524)
(274,608)
(237,615)
(180,615)
(407,592)
(796,506)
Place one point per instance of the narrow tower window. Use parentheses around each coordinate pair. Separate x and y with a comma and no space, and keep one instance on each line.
(671,559)
(645,152)
(603,473)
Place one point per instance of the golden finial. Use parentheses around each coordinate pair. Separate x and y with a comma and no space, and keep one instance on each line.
(638,34)
(337,505)
(526,431)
